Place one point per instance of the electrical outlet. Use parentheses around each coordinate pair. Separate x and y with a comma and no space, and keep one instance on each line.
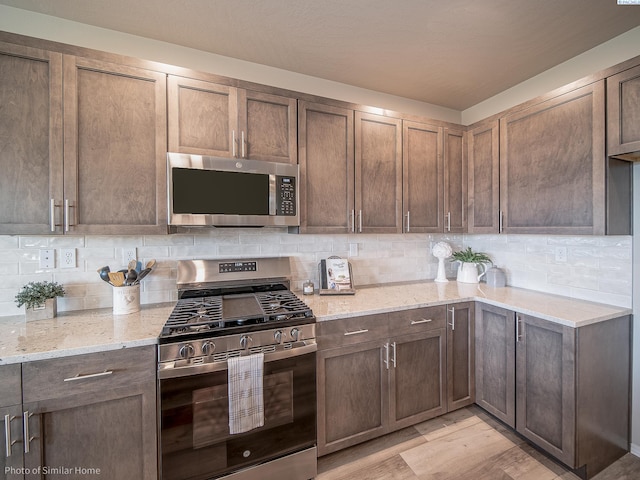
(129,254)
(47,258)
(67,258)
(561,254)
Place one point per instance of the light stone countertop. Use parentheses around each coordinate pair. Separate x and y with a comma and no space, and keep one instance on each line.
(89,331)
(404,296)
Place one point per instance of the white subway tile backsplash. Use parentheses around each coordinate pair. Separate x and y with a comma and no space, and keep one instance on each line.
(597,268)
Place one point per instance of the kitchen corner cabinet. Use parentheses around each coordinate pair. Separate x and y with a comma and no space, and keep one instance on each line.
(623,114)
(460,355)
(423,177)
(552,165)
(483,154)
(327,168)
(455,182)
(378,174)
(31,130)
(92,414)
(205,118)
(565,389)
(371,383)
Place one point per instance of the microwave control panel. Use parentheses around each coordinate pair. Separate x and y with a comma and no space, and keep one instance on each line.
(286,195)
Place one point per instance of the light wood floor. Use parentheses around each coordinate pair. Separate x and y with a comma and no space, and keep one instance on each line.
(467,444)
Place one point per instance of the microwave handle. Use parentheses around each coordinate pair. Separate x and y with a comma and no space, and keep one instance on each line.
(272,194)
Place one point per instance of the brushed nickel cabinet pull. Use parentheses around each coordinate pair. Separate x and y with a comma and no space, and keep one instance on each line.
(408,221)
(385,360)
(52,214)
(448,221)
(233,143)
(25,430)
(356,332)
(393,359)
(359,221)
(353,221)
(90,375)
(7,434)
(518,328)
(453,318)
(500,225)
(424,320)
(243,144)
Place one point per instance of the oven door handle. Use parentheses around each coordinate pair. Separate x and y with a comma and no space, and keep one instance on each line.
(196,369)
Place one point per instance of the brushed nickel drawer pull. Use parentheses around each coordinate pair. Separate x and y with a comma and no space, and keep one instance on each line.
(90,375)
(453,318)
(385,360)
(424,320)
(7,434)
(25,430)
(393,359)
(357,332)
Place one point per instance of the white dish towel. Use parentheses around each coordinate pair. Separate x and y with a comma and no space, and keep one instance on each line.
(246,399)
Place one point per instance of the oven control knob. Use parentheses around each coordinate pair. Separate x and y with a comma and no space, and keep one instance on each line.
(186,351)
(278,336)
(208,348)
(295,333)
(244,341)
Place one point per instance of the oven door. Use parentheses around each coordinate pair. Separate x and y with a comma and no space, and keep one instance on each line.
(195,439)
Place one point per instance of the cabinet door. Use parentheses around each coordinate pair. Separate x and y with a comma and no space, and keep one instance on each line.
(202,117)
(546,385)
(31,132)
(378,153)
(623,112)
(114,148)
(95,411)
(11,442)
(423,175)
(552,168)
(455,182)
(267,125)
(460,355)
(326,168)
(352,396)
(495,362)
(417,369)
(483,155)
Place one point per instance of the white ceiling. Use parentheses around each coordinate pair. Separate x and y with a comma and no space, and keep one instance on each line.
(452,53)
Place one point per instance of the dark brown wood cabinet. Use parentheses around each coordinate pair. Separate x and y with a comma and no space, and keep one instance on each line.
(95,412)
(483,154)
(423,177)
(371,383)
(327,168)
(565,389)
(11,457)
(461,383)
(552,168)
(114,149)
(31,156)
(623,114)
(205,118)
(378,174)
(455,181)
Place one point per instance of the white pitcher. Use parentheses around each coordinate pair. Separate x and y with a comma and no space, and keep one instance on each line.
(468,272)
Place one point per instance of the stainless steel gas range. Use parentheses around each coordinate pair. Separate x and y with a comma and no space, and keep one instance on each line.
(229,310)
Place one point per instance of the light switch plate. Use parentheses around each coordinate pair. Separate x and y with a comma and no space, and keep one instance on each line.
(47,258)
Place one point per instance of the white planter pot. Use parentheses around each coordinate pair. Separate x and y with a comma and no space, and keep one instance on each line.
(468,272)
(48,310)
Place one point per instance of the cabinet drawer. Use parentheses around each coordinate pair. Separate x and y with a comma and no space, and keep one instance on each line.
(350,331)
(417,320)
(10,391)
(83,374)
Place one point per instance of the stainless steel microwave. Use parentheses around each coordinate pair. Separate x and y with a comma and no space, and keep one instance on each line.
(225,192)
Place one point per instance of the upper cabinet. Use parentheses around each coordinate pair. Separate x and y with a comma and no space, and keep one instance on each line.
(455,182)
(326,153)
(31,133)
(483,154)
(623,114)
(111,177)
(378,189)
(209,119)
(423,177)
(552,165)
(114,149)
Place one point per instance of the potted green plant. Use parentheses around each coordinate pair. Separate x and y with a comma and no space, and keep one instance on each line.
(470,261)
(40,299)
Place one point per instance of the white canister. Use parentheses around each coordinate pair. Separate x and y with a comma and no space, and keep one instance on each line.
(126,299)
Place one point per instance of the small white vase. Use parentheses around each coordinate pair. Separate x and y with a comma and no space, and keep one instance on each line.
(468,272)
(48,310)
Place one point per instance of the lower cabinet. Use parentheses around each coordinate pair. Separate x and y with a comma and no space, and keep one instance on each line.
(87,415)
(565,389)
(380,373)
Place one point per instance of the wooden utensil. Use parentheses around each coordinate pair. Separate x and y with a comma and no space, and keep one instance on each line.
(117,278)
